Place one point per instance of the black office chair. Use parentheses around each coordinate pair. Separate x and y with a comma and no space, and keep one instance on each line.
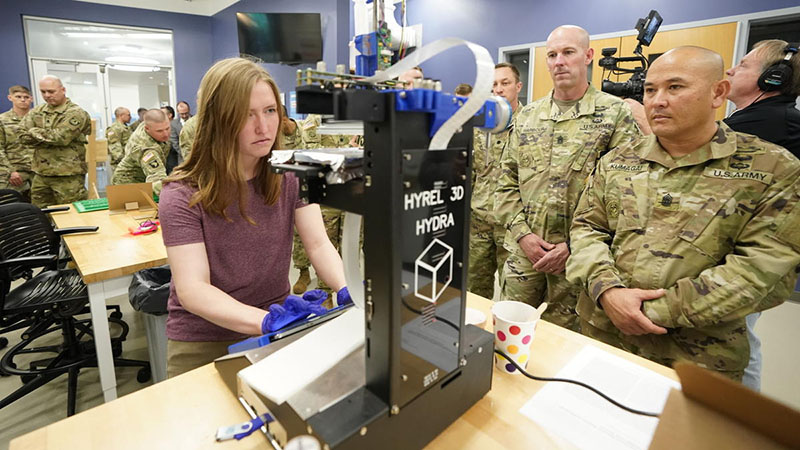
(53,298)
(8,196)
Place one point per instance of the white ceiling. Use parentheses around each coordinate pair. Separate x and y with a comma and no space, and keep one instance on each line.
(199,7)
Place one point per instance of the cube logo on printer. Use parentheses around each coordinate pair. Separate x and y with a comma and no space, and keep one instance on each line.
(433,271)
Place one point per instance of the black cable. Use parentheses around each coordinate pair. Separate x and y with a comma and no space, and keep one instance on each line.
(579,383)
(560,380)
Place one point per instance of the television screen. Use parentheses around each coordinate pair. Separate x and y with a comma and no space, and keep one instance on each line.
(281,37)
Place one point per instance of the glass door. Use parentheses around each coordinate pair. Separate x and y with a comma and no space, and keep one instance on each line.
(135,87)
(84,84)
(103,67)
(100,89)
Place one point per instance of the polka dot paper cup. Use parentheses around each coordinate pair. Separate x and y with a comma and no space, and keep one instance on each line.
(514,324)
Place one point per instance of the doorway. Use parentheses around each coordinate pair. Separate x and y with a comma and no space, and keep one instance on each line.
(102,67)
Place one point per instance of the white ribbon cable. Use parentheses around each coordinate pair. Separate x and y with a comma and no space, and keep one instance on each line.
(481,91)
(351,257)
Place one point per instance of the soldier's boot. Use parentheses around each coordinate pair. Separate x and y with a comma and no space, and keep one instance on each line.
(302,282)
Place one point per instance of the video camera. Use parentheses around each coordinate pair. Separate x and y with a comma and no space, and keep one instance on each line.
(634,87)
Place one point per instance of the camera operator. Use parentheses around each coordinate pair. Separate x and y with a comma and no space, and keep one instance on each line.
(765,107)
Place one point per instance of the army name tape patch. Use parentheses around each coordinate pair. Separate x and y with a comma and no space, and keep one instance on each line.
(627,168)
(763,177)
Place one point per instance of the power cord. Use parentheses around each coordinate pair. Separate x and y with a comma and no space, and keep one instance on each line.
(560,380)
(579,383)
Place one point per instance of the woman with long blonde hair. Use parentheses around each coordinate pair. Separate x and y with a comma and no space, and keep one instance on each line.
(227,220)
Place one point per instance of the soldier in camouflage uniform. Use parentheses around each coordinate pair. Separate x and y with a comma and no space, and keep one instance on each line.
(57,132)
(117,135)
(146,153)
(682,234)
(139,112)
(18,157)
(486,233)
(186,138)
(552,149)
(333,218)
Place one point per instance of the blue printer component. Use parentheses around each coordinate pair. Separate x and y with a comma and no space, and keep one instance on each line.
(495,115)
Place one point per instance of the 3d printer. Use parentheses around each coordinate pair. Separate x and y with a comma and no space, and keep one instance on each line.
(419,367)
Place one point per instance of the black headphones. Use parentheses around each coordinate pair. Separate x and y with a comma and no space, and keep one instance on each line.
(778,75)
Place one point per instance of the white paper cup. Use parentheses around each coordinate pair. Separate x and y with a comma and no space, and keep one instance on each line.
(514,325)
(474,317)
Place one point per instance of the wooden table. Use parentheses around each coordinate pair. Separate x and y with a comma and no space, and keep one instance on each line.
(106,259)
(185,412)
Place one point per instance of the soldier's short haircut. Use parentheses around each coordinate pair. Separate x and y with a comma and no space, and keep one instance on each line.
(510,66)
(463,89)
(120,111)
(53,78)
(155,116)
(141,111)
(18,88)
(581,34)
(771,52)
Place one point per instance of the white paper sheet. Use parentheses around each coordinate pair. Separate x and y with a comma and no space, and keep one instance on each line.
(290,369)
(588,421)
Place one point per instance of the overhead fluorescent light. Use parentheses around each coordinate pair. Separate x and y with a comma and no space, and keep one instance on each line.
(93,35)
(131,60)
(149,36)
(129,68)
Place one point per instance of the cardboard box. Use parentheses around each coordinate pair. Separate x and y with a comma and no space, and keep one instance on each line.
(713,412)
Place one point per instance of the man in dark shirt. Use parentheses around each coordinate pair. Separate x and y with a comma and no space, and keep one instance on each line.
(772,116)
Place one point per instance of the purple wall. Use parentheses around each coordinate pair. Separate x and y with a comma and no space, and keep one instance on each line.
(191,38)
(335,33)
(498,23)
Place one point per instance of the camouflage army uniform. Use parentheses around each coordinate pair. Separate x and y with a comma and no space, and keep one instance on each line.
(58,137)
(294,140)
(333,218)
(186,138)
(19,156)
(5,167)
(486,233)
(135,125)
(548,159)
(144,161)
(117,136)
(718,229)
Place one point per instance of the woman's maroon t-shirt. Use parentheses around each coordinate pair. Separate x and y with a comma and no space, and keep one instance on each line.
(248,262)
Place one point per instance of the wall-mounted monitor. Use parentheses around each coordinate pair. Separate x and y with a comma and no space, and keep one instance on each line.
(289,38)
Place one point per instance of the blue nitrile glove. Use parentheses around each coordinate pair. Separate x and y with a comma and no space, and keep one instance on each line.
(293,309)
(343,297)
(315,296)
